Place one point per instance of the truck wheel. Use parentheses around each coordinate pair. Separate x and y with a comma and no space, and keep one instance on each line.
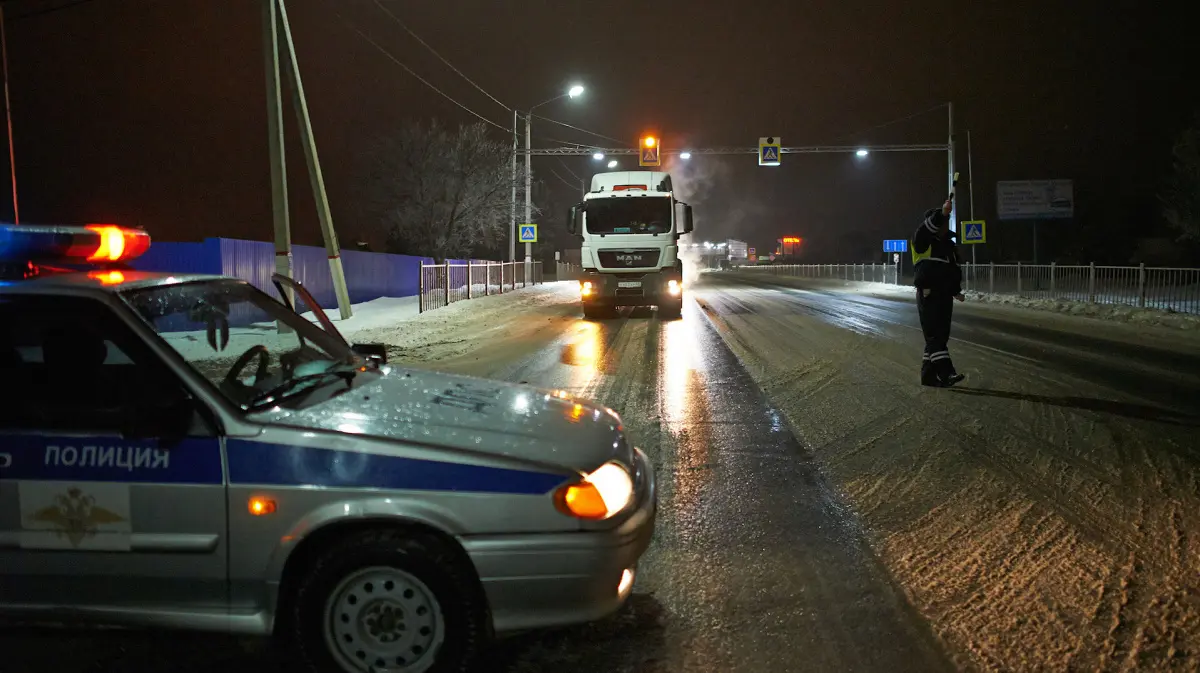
(386,600)
(671,311)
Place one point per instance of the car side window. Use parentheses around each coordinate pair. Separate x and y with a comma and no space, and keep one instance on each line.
(72,365)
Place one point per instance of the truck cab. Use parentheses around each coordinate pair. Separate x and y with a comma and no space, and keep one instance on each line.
(630,222)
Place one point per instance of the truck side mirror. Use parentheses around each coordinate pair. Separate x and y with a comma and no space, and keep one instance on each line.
(574,219)
(687,219)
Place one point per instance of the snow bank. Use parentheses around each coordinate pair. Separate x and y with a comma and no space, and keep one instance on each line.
(1118,312)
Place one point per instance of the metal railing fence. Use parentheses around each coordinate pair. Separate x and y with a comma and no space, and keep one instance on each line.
(1165,288)
(444,284)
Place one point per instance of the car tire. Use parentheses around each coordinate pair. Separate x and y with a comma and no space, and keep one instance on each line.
(386,599)
(671,311)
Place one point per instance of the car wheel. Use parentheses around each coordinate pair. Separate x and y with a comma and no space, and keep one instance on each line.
(387,600)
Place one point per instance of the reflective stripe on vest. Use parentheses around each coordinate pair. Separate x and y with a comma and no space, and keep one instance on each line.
(927,255)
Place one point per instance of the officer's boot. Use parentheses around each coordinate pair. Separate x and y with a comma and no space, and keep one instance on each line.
(947,375)
(929,375)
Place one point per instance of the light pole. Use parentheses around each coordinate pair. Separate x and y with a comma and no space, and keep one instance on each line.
(574,92)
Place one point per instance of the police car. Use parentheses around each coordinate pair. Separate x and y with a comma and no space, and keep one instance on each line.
(190,452)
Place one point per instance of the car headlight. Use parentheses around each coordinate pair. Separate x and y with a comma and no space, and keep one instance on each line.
(599,495)
(674,287)
(585,288)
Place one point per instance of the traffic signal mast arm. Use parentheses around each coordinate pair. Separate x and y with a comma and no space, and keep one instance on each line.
(812,149)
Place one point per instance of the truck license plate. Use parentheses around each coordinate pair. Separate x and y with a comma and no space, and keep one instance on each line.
(630,283)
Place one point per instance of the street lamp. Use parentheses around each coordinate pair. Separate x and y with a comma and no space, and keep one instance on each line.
(861,153)
(598,156)
(685,155)
(612,164)
(575,91)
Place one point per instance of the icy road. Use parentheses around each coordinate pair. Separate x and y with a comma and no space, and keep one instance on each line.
(821,511)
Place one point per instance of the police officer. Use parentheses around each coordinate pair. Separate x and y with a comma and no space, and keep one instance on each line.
(938,280)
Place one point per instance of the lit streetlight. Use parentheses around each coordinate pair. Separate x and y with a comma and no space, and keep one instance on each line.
(612,164)
(598,156)
(861,153)
(685,155)
(575,91)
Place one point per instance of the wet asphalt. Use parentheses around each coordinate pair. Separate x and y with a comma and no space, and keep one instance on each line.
(755,565)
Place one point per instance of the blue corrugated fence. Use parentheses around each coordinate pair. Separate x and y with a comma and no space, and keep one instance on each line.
(369,275)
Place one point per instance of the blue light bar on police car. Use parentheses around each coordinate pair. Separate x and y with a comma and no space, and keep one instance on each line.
(97,243)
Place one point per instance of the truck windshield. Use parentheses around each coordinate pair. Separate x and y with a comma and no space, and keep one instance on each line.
(629,215)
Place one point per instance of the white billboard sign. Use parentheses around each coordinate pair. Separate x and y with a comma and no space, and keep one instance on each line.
(1035,199)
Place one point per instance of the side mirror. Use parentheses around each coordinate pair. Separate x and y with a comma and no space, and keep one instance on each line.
(373,351)
(575,218)
(687,219)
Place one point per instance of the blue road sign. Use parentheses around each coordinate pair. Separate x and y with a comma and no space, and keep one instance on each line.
(895,246)
(974,232)
(769,149)
(528,233)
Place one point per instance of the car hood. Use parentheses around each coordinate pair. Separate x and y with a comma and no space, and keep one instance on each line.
(478,416)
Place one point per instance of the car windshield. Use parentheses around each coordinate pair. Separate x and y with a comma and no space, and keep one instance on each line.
(629,215)
(253,348)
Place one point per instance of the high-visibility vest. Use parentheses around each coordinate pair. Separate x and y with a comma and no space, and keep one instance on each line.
(918,256)
(921,256)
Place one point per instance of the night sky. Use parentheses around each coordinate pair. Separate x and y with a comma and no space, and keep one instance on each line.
(152,112)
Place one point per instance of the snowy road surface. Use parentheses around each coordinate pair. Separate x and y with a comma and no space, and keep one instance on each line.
(1045,516)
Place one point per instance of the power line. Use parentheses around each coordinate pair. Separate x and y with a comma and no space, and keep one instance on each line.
(397,61)
(894,121)
(564,180)
(568,169)
(435,53)
(591,133)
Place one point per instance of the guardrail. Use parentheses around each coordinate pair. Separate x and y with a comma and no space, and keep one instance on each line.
(1166,288)
(444,284)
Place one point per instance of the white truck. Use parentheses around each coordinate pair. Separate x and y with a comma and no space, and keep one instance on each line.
(631,222)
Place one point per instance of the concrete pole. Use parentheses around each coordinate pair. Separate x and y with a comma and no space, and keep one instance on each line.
(12,155)
(279,198)
(332,248)
(528,196)
(971,179)
(512,210)
(950,173)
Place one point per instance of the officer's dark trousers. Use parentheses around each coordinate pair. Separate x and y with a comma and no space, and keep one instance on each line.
(936,311)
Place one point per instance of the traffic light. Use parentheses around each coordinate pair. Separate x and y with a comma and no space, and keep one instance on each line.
(650,151)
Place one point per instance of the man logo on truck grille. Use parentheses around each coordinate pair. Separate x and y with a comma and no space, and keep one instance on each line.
(629,260)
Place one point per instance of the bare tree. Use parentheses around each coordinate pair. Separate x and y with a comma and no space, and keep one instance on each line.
(1181,199)
(443,194)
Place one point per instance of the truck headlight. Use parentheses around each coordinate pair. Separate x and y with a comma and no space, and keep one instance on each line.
(585,288)
(599,495)
(674,287)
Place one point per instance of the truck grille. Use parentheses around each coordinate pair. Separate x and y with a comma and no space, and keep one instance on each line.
(628,259)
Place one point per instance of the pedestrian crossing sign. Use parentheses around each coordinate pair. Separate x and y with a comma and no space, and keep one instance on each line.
(769,149)
(528,233)
(649,157)
(974,232)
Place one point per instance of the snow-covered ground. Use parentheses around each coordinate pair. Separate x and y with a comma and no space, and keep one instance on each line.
(393,321)
(1104,311)
(1039,520)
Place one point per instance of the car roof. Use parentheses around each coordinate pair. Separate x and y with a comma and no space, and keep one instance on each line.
(104,281)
